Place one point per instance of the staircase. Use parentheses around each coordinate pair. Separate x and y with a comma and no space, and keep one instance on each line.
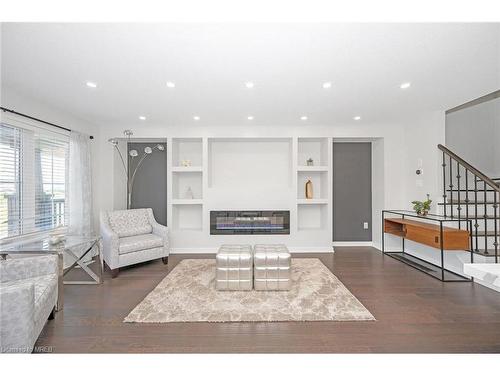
(470,194)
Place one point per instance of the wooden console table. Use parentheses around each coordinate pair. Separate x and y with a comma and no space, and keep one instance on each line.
(429,231)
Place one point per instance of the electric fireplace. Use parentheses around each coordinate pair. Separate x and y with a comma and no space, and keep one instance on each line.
(249,222)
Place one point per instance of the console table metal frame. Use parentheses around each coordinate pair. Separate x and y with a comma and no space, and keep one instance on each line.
(441,266)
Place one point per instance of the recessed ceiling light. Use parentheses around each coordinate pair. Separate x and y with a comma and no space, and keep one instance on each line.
(142,118)
(92,84)
(327,85)
(357,118)
(196,118)
(405,85)
(303,118)
(170,84)
(250,117)
(249,85)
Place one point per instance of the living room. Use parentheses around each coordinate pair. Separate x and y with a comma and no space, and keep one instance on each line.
(245,187)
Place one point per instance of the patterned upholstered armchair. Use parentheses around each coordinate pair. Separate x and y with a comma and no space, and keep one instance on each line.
(28,296)
(131,237)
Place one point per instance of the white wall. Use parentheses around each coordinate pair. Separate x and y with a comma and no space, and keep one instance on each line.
(421,137)
(397,148)
(474,134)
(378,190)
(496,134)
(389,146)
(119,180)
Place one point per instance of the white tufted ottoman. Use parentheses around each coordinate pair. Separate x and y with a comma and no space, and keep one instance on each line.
(234,268)
(272,267)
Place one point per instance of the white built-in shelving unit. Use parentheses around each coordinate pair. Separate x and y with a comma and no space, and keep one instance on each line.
(177,169)
(249,173)
(314,214)
(186,213)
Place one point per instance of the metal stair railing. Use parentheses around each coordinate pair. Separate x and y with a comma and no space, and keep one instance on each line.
(485,194)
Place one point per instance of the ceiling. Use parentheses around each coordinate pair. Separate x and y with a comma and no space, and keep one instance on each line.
(447,65)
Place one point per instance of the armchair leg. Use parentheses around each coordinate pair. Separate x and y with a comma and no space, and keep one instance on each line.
(115,272)
(164,260)
(52,313)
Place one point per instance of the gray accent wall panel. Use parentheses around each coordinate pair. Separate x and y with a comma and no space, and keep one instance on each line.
(352,191)
(150,185)
(473,133)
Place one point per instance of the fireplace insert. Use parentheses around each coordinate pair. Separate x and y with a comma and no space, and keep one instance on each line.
(249,222)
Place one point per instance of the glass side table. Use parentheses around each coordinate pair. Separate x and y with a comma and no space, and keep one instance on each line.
(72,252)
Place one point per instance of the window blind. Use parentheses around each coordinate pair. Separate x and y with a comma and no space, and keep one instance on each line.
(33,180)
(10,180)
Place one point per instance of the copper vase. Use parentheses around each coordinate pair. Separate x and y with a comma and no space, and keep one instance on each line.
(309,189)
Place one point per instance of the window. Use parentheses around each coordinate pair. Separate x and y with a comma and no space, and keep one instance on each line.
(33,179)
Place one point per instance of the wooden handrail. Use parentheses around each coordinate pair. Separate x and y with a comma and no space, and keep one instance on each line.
(470,168)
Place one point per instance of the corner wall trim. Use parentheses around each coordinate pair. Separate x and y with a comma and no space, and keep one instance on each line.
(352,243)
(213,250)
(482,99)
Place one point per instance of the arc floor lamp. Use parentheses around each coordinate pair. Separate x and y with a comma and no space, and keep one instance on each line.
(131,155)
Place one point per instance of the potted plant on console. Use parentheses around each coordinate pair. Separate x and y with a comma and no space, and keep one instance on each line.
(422,208)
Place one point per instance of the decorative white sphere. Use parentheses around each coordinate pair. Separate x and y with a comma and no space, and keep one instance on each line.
(133,153)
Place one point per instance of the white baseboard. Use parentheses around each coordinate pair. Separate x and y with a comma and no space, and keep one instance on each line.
(487,285)
(310,249)
(213,250)
(193,250)
(352,243)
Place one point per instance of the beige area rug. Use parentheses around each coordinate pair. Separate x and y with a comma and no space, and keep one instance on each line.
(187,294)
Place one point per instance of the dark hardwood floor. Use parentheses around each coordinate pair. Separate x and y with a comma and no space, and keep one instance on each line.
(414,312)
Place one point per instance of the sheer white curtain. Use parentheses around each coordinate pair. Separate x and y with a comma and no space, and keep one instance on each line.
(79,185)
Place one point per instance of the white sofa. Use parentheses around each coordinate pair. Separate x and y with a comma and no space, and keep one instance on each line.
(131,237)
(28,296)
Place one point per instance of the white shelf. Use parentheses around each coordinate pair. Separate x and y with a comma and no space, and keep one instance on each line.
(187,149)
(319,184)
(312,201)
(187,201)
(315,148)
(313,168)
(187,215)
(312,217)
(187,169)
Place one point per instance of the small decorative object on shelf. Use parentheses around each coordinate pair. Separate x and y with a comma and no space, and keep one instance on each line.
(189,193)
(422,208)
(186,163)
(309,189)
(310,162)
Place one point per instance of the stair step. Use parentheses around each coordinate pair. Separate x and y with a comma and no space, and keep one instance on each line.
(455,202)
(471,201)
(482,233)
(493,179)
(470,190)
(471,217)
(488,272)
(491,252)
